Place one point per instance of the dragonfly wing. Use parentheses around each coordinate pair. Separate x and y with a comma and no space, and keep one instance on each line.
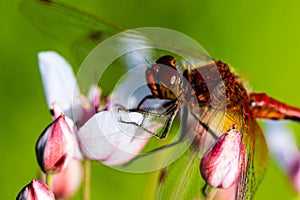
(82,31)
(257,159)
(182,179)
(68,25)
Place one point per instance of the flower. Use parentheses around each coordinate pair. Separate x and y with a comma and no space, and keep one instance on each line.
(284,149)
(99,134)
(55,146)
(222,163)
(36,190)
(60,86)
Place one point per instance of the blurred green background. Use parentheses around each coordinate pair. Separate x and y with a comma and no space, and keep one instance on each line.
(259,38)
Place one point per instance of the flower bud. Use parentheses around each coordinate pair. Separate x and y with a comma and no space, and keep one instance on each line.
(55,146)
(36,190)
(66,183)
(221,164)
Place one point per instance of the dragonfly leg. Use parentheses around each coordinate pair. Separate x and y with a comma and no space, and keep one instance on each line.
(140,126)
(169,123)
(180,139)
(263,106)
(170,113)
(144,112)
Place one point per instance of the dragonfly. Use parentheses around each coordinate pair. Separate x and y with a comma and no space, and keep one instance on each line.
(242,111)
(208,93)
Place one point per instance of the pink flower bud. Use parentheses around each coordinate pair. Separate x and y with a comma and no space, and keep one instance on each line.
(36,190)
(55,146)
(66,183)
(222,163)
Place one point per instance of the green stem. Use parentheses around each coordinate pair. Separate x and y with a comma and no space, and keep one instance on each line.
(49,180)
(86,180)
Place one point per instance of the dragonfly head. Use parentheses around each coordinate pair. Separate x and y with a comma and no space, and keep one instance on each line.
(163,78)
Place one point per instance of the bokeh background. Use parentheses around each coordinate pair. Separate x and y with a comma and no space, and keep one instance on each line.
(259,38)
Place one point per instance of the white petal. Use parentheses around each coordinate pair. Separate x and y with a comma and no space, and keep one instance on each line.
(105,139)
(58,80)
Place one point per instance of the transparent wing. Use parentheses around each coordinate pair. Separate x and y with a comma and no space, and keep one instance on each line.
(78,29)
(182,179)
(257,159)
(82,31)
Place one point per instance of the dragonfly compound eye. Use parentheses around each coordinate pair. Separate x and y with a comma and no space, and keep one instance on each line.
(163,78)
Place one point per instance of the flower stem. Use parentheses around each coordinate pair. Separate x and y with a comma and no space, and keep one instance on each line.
(86,180)
(49,180)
